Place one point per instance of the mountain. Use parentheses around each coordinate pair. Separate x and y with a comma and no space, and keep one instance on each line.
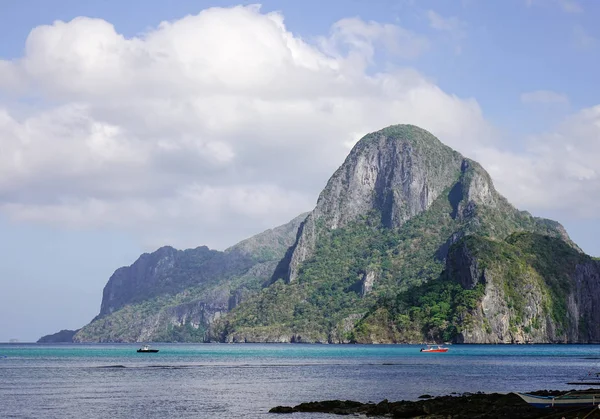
(176,295)
(383,227)
(408,242)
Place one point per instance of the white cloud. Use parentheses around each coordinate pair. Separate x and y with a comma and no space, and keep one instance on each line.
(200,132)
(183,217)
(361,38)
(560,170)
(213,127)
(206,129)
(546,97)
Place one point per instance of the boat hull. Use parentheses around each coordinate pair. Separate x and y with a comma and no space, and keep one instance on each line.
(434,350)
(568,400)
(148,350)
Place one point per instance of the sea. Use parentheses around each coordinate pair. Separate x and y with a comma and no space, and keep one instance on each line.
(246,380)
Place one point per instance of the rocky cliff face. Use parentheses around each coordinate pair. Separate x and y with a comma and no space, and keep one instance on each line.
(584,302)
(398,171)
(527,297)
(164,320)
(166,271)
(528,288)
(177,295)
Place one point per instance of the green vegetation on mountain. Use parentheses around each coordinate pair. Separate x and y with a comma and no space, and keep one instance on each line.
(175,296)
(439,310)
(434,311)
(328,289)
(153,319)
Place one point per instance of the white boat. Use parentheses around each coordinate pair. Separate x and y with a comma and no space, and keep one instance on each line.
(147,348)
(572,399)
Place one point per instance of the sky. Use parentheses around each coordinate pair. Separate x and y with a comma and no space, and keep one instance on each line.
(126,126)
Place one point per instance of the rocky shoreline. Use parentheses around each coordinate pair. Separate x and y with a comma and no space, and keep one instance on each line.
(468,405)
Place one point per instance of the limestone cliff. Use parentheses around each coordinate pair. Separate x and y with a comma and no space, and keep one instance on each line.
(399,171)
(528,288)
(177,295)
(536,290)
(165,271)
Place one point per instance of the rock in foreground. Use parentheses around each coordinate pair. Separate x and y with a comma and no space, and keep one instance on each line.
(496,406)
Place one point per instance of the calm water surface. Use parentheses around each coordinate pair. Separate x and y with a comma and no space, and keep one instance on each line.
(235,381)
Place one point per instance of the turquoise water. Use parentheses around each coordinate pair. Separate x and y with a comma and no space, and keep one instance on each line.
(227,381)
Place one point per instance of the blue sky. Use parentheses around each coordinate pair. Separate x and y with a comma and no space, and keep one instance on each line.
(119,139)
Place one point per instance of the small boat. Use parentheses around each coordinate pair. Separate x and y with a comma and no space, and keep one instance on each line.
(434,348)
(146,348)
(571,399)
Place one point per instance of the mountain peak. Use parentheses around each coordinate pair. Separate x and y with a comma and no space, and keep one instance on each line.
(396,173)
(403,133)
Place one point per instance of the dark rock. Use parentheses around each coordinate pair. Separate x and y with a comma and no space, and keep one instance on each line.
(468,405)
(332,406)
(382,408)
(282,409)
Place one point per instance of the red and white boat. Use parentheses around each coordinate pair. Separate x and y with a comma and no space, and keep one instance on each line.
(434,348)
